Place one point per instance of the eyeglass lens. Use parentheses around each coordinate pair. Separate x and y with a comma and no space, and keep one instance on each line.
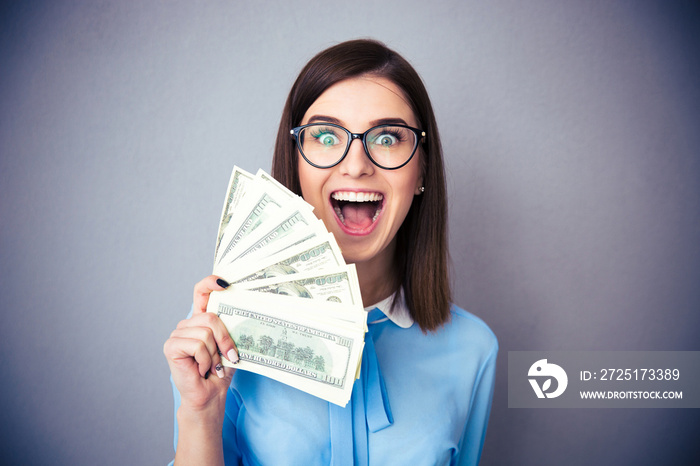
(388,146)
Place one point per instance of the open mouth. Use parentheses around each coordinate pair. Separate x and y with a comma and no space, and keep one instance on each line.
(357,210)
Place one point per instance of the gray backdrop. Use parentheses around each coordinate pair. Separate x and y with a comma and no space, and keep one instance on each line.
(571,139)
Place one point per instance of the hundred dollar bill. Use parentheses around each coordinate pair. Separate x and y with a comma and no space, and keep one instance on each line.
(292,222)
(278,246)
(278,187)
(318,253)
(340,286)
(285,345)
(257,208)
(236,190)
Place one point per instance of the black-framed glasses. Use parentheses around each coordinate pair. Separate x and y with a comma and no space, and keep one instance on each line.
(325,145)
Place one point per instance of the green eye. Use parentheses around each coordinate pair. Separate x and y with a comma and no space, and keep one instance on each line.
(386,140)
(387,137)
(325,137)
(328,140)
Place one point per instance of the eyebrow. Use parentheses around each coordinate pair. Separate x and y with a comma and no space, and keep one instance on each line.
(324,119)
(388,121)
(335,121)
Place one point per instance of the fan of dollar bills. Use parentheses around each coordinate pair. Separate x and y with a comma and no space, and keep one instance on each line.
(294,307)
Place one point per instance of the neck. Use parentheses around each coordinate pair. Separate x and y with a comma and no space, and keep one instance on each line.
(377,277)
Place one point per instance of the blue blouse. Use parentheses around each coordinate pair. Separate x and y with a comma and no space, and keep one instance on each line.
(422,399)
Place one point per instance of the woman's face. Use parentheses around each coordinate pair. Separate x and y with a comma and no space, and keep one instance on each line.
(364,230)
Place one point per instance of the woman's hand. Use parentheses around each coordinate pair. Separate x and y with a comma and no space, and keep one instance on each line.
(194,353)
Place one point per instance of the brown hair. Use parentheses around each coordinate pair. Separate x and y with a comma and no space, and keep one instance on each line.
(421,246)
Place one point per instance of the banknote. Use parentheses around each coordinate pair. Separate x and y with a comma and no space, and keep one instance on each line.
(335,286)
(274,185)
(317,253)
(257,208)
(291,222)
(236,190)
(277,246)
(286,344)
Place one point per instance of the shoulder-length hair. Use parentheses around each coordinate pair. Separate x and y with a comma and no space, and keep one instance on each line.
(421,258)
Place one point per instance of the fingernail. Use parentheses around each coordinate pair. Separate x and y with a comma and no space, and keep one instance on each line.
(222,283)
(220,370)
(232,356)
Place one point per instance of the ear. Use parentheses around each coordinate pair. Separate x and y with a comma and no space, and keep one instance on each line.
(419,186)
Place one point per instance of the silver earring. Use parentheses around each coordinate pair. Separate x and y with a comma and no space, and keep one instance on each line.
(422,189)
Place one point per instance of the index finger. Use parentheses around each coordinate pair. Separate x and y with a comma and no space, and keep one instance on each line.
(203,289)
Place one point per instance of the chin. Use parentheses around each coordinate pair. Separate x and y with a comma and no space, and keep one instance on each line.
(362,249)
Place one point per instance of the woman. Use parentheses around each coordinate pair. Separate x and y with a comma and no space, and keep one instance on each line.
(428,368)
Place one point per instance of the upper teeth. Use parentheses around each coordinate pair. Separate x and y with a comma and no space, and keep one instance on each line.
(353,196)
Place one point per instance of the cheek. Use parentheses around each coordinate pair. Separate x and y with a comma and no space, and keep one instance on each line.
(311,182)
(304,177)
(420,169)
(406,203)
(406,189)
(404,199)
(408,181)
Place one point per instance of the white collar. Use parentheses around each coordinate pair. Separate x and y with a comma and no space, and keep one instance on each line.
(399,315)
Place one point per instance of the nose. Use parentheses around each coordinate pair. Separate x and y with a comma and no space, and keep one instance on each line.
(356,162)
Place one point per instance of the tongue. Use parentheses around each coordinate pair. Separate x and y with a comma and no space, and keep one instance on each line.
(358,215)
